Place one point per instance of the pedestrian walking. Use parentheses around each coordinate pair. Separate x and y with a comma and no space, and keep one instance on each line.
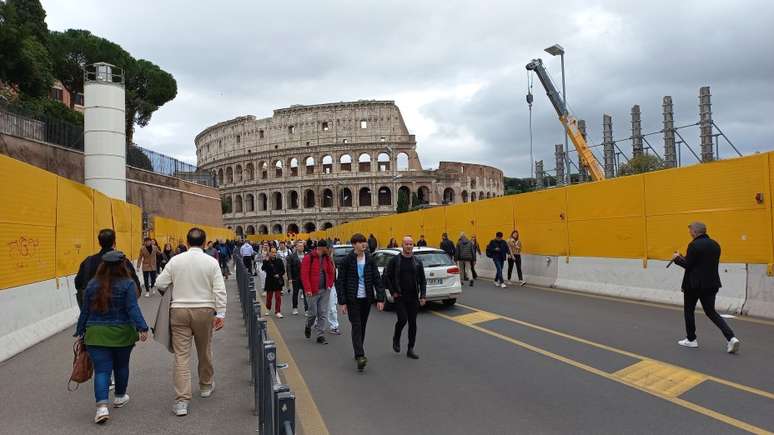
(392,244)
(110,324)
(294,275)
(359,286)
(514,257)
(373,244)
(466,254)
(147,263)
(275,272)
(477,252)
(224,254)
(317,277)
(421,242)
(404,277)
(198,306)
(246,250)
(159,257)
(701,282)
(448,246)
(497,250)
(181,248)
(282,253)
(166,254)
(88,267)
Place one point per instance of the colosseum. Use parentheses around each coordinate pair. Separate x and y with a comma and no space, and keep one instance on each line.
(313,167)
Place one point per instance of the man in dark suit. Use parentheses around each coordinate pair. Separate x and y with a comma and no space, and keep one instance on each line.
(701,282)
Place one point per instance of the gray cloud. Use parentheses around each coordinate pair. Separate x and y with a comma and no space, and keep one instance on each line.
(456,68)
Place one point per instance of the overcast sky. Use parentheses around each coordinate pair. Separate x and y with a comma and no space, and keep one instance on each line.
(455,68)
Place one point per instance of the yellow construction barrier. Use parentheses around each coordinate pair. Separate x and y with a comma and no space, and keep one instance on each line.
(174,232)
(49,224)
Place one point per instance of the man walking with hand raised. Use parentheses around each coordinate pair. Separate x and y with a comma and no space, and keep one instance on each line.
(358,286)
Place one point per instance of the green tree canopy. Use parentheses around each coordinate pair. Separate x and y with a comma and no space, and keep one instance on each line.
(148,87)
(403,201)
(24,59)
(640,164)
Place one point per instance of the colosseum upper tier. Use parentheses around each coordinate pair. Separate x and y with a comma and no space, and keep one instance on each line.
(313,167)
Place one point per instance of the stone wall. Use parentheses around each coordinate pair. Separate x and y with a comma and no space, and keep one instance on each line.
(156,194)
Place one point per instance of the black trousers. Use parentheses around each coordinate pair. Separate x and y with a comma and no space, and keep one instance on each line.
(517,261)
(248,261)
(149,276)
(473,269)
(707,298)
(406,308)
(297,288)
(358,316)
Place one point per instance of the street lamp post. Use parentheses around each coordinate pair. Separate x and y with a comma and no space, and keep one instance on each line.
(558,50)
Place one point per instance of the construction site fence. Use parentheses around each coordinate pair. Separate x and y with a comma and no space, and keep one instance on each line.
(49,224)
(643,216)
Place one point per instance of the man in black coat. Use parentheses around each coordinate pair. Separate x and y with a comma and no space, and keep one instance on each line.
(358,285)
(701,282)
(448,247)
(88,267)
(404,276)
(373,244)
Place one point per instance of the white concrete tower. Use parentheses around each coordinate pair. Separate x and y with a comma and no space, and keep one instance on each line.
(104,130)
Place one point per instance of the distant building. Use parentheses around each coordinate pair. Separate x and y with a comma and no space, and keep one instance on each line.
(59,93)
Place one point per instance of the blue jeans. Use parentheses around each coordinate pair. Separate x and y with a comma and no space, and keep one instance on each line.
(499,270)
(107,360)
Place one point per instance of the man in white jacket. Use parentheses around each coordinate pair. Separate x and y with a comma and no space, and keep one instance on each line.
(198,306)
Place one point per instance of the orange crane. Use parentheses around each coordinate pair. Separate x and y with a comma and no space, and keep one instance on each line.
(586,157)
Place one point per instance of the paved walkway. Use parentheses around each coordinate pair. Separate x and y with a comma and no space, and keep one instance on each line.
(35,399)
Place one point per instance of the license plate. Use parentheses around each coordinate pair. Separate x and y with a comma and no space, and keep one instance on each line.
(434,281)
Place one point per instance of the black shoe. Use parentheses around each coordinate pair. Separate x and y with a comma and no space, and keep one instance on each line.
(471,283)
(396,346)
(410,353)
(361,363)
(307,332)
(322,340)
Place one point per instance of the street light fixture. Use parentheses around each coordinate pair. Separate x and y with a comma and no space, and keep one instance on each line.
(558,50)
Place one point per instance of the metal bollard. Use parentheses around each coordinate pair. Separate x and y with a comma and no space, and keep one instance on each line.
(270,357)
(275,405)
(286,412)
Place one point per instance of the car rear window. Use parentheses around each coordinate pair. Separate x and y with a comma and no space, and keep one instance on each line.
(342,252)
(434,258)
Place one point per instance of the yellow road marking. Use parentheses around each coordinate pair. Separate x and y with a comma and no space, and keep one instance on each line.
(732,384)
(663,378)
(635,302)
(476,317)
(307,413)
(692,406)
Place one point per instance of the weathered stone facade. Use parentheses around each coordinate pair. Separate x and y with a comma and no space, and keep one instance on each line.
(312,167)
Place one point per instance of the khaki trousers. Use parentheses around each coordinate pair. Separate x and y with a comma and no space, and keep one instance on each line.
(187,323)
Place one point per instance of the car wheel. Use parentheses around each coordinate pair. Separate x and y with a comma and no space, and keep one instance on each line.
(449,302)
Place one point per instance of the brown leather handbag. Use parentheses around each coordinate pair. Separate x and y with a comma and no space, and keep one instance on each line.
(82,365)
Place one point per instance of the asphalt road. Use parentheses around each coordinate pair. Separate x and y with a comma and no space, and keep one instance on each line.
(528,360)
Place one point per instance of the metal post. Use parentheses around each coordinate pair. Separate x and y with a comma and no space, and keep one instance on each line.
(287,412)
(705,124)
(270,358)
(670,152)
(566,143)
(258,390)
(539,174)
(583,171)
(559,154)
(637,148)
(275,405)
(608,146)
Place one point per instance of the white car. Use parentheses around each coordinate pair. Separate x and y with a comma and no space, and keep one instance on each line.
(442,275)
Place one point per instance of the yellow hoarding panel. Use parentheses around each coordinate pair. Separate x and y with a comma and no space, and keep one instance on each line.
(122,223)
(619,237)
(75,236)
(460,218)
(27,193)
(618,197)
(103,214)
(434,225)
(136,216)
(541,221)
(29,254)
(491,216)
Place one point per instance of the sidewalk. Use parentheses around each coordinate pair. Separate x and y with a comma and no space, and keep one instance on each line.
(35,398)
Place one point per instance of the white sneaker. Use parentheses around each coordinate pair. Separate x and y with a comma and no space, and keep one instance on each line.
(295,312)
(147,294)
(279,315)
(688,343)
(102,415)
(120,401)
(181,408)
(503,285)
(206,392)
(522,283)
(733,345)
(268,313)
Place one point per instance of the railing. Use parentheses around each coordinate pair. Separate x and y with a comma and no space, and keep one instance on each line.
(275,404)
(16,122)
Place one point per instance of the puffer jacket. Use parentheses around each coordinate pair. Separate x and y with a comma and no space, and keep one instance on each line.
(348,280)
(465,250)
(122,310)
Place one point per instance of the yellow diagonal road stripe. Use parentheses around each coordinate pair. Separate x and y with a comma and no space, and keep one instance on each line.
(476,317)
(663,378)
(663,393)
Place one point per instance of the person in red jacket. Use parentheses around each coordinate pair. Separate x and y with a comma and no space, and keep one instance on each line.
(317,277)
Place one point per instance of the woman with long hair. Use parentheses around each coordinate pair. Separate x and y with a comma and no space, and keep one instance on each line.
(392,244)
(514,256)
(110,324)
(167,254)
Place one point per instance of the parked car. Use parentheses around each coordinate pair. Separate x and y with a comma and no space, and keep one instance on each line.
(443,276)
(339,252)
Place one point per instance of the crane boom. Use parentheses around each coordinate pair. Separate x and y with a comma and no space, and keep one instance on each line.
(587,158)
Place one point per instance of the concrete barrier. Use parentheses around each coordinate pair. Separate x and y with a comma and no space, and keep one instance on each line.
(33,312)
(760,292)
